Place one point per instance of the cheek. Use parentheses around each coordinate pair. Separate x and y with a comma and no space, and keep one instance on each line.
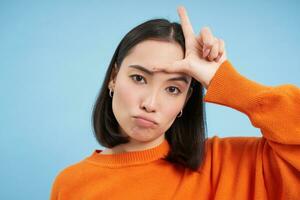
(170,112)
(124,100)
(126,95)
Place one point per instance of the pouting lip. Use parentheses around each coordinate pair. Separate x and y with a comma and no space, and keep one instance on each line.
(146,118)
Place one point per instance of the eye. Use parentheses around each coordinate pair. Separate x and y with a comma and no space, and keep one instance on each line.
(137,78)
(172,89)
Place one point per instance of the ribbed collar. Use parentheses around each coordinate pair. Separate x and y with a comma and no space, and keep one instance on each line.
(129,158)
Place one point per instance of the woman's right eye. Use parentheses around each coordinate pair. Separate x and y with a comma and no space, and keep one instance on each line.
(137,78)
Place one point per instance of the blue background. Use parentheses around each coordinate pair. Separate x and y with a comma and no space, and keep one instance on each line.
(53,56)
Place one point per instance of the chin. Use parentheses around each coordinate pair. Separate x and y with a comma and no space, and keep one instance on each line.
(142,135)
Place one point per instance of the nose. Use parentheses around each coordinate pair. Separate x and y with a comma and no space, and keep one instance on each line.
(150,101)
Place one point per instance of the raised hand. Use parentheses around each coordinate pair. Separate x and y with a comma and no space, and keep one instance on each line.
(204,53)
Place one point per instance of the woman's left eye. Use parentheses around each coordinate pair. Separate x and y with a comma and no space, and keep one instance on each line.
(174,89)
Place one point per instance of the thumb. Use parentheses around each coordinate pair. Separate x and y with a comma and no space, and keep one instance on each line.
(174,67)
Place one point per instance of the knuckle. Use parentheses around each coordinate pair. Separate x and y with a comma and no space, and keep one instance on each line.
(222,43)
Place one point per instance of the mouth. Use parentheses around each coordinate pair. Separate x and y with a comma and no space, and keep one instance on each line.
(144,122)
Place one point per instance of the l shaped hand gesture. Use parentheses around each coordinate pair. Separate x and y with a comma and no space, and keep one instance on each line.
(203,56)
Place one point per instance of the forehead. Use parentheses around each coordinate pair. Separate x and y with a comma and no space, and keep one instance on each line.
(150,53)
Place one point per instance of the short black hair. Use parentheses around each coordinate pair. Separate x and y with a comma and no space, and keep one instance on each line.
(187,134)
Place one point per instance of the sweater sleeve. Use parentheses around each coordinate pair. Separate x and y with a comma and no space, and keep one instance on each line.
(275,111)
(54,190)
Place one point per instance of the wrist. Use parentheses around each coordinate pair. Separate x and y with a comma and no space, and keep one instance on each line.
(210,75)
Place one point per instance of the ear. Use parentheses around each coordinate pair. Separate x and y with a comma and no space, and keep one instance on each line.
(113,76)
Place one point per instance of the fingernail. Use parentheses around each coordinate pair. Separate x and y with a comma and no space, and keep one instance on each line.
(206,52)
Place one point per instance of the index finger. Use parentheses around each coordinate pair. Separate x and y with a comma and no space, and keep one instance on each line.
(185,22)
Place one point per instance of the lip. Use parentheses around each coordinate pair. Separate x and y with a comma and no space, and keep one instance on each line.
(144,121)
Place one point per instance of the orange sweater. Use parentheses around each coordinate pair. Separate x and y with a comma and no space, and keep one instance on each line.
(266,167)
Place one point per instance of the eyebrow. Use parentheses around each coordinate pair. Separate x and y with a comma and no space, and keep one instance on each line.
(180,78)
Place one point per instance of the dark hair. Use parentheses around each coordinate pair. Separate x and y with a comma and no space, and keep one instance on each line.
(187,134)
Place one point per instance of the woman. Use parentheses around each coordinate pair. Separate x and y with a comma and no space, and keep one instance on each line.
(150,115)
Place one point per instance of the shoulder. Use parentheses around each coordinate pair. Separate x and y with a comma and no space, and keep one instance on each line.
(233,148)
(220,150)
(232,144)
(234,140)
(70,174)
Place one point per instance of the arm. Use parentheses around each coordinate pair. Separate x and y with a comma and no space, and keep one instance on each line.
(276,112)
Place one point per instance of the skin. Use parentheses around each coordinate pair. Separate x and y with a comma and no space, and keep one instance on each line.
(152,95)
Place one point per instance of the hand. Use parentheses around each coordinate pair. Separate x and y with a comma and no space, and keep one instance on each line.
(204,54)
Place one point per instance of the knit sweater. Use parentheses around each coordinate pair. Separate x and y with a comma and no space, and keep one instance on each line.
(266,167)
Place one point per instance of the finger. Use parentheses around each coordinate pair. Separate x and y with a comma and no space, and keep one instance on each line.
(219,57)
(200,44)
(207,37)
(221,50)
(200,40)
(221,46)
(206,51)
(185,23)
(214,51)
